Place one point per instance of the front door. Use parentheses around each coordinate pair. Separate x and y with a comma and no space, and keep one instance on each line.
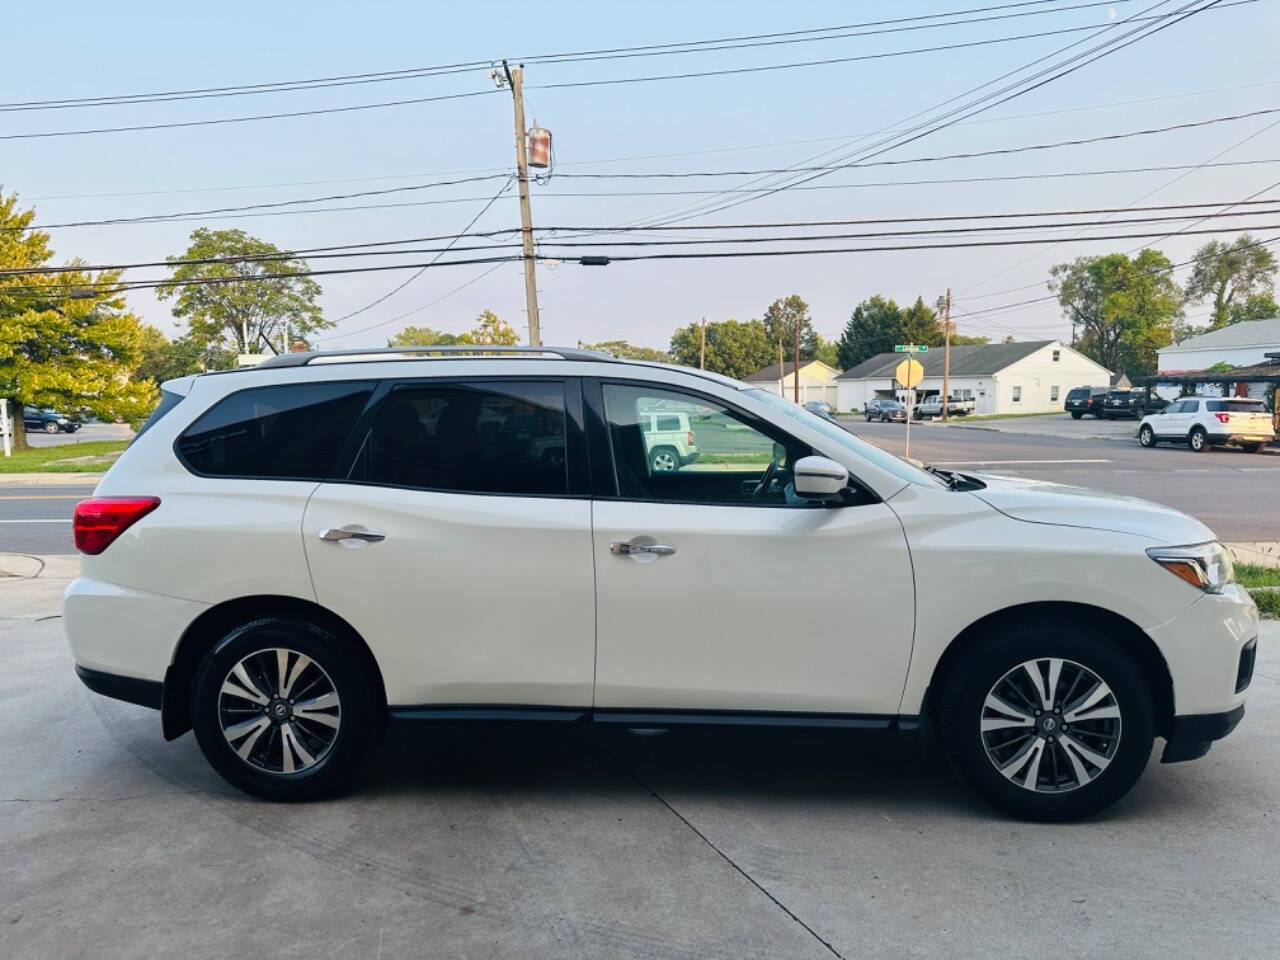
(460,547)
(1175,421)
(718,590)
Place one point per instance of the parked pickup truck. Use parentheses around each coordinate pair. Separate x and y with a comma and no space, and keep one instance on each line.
(931,407)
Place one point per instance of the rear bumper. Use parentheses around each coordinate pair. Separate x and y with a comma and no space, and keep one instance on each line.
(1191,737)
(1241,437)
(145,693)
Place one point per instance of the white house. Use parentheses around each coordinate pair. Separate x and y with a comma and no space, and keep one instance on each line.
(1243,344)
(817,381)
(1030,377)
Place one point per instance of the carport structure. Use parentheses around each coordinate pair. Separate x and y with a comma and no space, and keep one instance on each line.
(1229,380)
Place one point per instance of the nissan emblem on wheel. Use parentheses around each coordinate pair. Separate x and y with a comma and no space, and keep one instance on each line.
(290,555)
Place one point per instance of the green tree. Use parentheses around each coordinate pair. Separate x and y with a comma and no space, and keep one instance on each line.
(66,340)
(874,327)
(828,352)
(920,325)
(735,349)
(626,351)
(1259,306)
(1125,308)
(961,340)
(1231,274)
(781,321)
(164,359)
(241,307)
(423,337)
(489,331)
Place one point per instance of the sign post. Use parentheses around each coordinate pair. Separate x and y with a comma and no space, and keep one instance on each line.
(5,430)
(909,373)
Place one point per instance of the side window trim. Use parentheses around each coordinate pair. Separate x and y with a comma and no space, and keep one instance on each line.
(352,465)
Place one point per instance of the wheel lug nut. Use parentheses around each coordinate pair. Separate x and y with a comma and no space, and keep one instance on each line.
(1038,712)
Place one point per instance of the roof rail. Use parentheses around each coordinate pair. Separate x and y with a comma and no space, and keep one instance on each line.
(417,353)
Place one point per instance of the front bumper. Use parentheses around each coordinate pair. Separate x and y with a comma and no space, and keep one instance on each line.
(1191,737)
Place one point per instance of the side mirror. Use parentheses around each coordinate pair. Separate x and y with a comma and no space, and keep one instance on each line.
(820,479)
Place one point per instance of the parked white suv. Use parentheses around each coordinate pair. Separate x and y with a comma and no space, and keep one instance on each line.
(1203,422)
(288,555)
(668,439)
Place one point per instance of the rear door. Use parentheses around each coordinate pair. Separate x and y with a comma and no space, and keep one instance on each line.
(718,590)
(459,544)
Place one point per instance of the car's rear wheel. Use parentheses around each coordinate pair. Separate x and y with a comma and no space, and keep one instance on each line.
(1253,447)
(1076,414)
(1198,440)
(283,709)
(1146,436)
(1049,721)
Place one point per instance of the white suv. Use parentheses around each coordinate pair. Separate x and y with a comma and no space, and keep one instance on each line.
(287,556)
(1203,422)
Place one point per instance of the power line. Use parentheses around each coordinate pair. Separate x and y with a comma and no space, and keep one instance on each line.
(664,49)
(669,175)
(129,128)
(391,293)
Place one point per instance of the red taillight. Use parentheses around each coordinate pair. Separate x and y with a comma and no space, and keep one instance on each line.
(1223,417)
(99,521)
(691,438)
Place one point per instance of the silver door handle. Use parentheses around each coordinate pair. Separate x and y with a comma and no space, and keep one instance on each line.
(624,548)
(333,534)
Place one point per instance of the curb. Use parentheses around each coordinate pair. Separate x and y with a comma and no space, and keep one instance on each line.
(49,479)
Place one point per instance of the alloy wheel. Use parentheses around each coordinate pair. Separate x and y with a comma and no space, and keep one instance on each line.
(664,462)
(1050,725)
(279,710)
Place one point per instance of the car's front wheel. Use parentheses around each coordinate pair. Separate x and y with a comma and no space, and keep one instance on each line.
(1048,721)
(50,426)
(1146,436)
(285,710)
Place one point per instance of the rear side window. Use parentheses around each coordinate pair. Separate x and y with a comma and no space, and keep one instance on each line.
(287,432)
(485,437)
(1235,406)
(666,424)
(167,402)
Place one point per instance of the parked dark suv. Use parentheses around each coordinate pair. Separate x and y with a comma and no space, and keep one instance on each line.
(885,410)
(1131,403)
(1082,400)
(50,421)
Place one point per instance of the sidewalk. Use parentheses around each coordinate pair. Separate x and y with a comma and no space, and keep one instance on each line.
(49,479)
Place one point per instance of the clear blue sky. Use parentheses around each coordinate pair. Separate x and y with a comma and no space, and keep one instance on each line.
(86,49)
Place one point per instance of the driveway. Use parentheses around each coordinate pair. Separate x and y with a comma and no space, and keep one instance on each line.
(521,842)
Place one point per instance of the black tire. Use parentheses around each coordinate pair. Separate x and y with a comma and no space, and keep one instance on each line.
(664,460)
(1198,440)
(361,714)
(1076,414)
(961,712)
(51,427)
(1146,436)
(1253,447)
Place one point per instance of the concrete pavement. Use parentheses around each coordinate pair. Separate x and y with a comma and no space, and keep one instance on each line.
(518,842)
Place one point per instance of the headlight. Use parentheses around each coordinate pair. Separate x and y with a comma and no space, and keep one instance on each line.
(1206,566)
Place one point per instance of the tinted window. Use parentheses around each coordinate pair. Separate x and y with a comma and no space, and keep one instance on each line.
(167,402)
(1079,393)
(725,464)
(471,438)
(290,431)
(1236,406)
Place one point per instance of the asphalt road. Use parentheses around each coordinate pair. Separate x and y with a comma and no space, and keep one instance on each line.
(37,519)
(521,842)
(88,433)
(1233,492)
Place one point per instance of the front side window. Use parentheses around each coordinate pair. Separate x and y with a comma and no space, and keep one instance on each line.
(291,431)
(482,437)
(711,454)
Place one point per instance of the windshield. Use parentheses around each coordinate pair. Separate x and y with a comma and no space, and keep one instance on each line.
(900,468)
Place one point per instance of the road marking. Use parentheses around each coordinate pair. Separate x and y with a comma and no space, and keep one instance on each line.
(989,463)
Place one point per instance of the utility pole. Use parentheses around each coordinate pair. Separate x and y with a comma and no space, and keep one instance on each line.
(795,384)
(946,354)
(702,350)
(782,372)
(515,77)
